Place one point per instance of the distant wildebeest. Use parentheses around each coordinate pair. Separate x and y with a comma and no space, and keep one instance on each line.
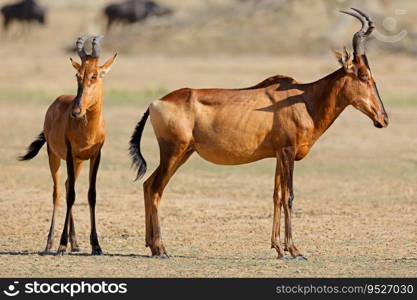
(278,118)
(24,11)
(132,11)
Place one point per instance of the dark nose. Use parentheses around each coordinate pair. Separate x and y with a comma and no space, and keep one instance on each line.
(76,112)
(386,120)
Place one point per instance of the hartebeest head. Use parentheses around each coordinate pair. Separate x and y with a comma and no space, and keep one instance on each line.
(89,75)
(361,90)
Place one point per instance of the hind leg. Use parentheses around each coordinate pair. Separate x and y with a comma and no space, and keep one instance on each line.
(72,234)
(94,164)
(54,165)
(73,170)
(172,157)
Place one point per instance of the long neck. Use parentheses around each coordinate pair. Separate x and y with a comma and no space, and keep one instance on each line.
(325,101)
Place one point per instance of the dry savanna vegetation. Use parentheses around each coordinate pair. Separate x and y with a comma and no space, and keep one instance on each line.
(355,210)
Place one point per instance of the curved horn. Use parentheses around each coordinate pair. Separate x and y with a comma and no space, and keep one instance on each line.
(79,44)
(359,38)
(96,46)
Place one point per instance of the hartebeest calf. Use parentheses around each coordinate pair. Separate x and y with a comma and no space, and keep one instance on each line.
(278,117)
(74,131)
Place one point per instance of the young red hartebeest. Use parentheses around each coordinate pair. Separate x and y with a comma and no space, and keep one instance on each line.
(74,131)
(278,117)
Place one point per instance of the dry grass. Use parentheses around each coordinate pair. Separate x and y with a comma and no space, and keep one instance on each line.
(354,211)
(355,206)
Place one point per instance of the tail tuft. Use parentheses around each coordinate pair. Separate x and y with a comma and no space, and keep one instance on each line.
(34,148)
(138,162)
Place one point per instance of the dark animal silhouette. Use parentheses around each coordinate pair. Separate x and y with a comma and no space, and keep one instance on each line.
(132,11)
(24,11)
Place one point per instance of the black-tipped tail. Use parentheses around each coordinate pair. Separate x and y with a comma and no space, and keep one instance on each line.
(138,162)
(34,148)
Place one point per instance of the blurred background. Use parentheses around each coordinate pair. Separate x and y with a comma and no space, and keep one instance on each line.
(167,43)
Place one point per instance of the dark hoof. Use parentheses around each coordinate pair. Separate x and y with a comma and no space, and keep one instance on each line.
(75,249)
(97,252)
(300,257)
(47,252)
(161,256)
(61,252)
(285,257)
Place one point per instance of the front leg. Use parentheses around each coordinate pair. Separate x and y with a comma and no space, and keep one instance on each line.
(275,236)
(287,157)
(70,200)
(290,199)
(94,164)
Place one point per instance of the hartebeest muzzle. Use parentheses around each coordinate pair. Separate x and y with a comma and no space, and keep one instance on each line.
(76,106)
(383,119)
(383,123)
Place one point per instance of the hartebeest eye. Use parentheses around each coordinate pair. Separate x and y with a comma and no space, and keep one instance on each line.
(363,75)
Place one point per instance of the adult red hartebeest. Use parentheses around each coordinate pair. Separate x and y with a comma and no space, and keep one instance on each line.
(278,117)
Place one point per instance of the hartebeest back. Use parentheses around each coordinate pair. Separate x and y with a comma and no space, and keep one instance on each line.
(278,117)
(74,131)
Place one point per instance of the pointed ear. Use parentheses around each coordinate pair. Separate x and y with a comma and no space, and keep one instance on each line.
(345,58)
(76,65)
(104,69)
(338,55)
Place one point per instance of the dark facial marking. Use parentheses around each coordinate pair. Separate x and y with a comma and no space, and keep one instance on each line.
(77,101)
(365,60)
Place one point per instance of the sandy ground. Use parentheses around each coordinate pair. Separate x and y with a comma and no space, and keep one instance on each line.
(356,192)
(355,206)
